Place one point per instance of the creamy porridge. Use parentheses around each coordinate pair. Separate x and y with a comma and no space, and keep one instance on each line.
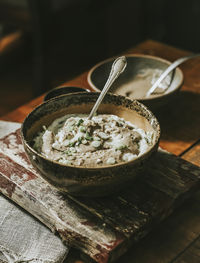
(104,140)
(138,87)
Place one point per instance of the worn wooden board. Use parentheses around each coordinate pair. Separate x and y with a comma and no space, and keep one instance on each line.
(103,228)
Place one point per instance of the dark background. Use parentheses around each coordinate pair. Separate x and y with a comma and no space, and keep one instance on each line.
(55,40)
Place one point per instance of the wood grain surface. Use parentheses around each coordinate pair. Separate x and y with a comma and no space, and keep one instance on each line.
(177,238)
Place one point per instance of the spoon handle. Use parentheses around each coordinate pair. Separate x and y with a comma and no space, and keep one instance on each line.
(175,64)
(118,67)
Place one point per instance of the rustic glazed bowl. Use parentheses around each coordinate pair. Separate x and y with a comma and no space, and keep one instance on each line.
(134,82)
(77,180)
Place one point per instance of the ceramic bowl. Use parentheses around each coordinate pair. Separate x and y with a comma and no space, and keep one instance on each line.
(77,180)
(137,79)
(61,90)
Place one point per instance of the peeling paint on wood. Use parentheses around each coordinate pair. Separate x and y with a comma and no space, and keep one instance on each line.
(103,228)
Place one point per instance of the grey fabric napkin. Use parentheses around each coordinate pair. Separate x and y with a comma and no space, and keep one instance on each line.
(22,237)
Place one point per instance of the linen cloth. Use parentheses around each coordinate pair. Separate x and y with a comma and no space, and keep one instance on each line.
(22,237)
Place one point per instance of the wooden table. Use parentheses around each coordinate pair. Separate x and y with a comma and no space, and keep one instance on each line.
(177,239)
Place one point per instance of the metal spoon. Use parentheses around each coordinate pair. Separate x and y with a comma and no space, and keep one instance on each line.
(118,67)
(175,64)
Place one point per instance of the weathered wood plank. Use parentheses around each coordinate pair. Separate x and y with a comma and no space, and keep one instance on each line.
(168,239)
(130,216)
(171,240)
(21,183)
(103,227)
(191,254)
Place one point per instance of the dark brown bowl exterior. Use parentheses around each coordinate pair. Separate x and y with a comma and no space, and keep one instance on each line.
(79,180)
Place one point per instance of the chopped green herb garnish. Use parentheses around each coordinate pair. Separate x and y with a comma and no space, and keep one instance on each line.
(82,129)
(122,147)
(88,137)
(79,141)
(73,150)
(71,144)
(68,152)
(79,122)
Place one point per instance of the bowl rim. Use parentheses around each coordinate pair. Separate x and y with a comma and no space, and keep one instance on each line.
(48,93)
(180,72)
(138,159)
